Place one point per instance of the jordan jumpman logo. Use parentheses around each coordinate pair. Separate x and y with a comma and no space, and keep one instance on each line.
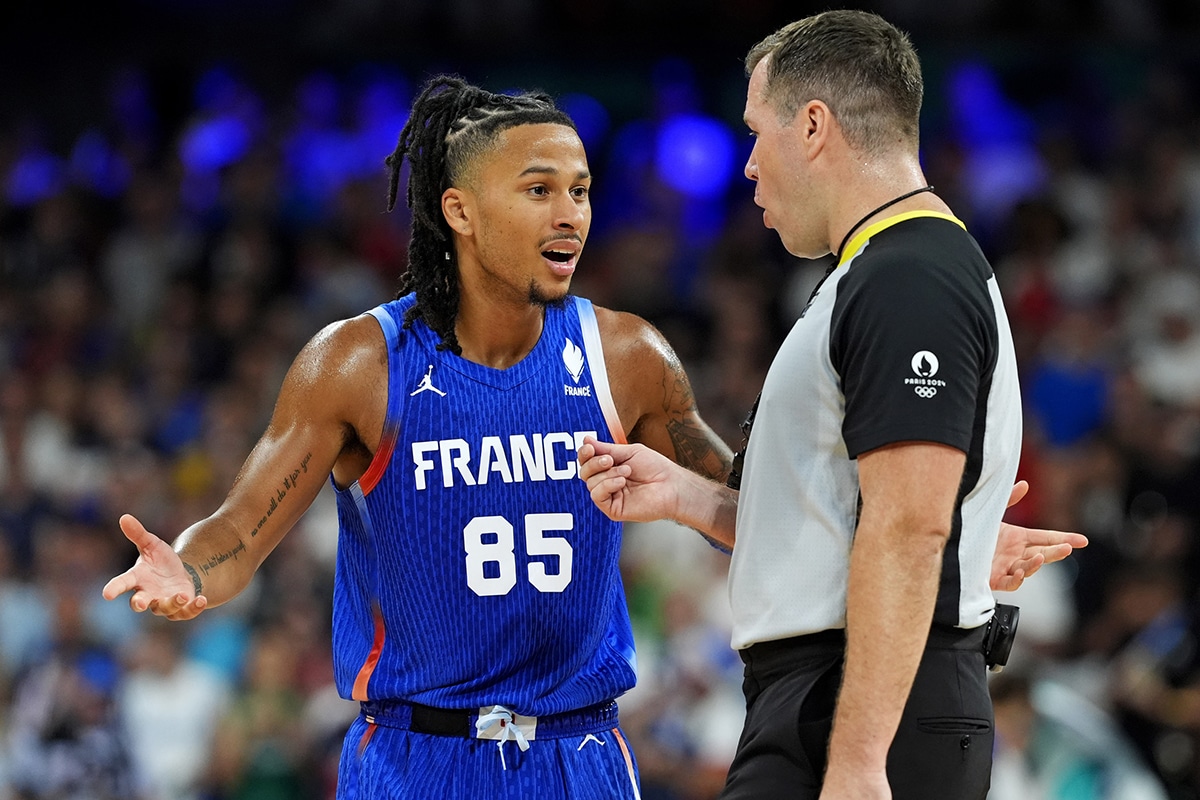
(426,384)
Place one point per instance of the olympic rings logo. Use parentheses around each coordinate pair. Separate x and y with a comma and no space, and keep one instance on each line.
(925,391)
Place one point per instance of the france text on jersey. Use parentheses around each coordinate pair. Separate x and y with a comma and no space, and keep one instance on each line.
(541,457)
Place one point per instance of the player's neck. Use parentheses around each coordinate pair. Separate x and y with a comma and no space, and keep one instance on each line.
(497,334)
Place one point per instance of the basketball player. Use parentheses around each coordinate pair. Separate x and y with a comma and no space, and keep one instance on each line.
(479,615)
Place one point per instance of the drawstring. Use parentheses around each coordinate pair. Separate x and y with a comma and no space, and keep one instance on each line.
(509,730)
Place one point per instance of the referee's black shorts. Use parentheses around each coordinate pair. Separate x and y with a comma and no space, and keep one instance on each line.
(942,749)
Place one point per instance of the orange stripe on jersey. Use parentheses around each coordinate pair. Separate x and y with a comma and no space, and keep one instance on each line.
(383,457)
(366,737)
(368,667)
(616,732)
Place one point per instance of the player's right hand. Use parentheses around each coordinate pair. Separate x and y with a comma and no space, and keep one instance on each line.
(628,482)
(158,579)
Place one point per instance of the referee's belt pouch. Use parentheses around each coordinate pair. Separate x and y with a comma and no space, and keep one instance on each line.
(999,636)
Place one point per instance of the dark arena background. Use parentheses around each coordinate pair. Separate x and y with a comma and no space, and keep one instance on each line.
(189,189)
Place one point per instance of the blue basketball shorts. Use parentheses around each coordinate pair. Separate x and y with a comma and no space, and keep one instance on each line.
(397,750)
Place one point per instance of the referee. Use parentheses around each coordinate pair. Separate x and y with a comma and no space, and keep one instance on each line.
(884,446)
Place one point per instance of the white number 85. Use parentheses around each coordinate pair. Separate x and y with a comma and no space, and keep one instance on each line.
(501,552)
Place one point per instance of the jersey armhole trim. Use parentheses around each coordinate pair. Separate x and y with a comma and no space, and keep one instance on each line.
(595,357)
(391,421)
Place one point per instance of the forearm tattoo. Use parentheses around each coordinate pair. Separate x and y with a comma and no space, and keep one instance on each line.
(196,584)
(218,559)
(273,504)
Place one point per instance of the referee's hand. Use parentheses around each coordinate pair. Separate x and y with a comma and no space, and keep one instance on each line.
(1020,552)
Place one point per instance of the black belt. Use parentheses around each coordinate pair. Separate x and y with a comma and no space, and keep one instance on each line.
(821,643)
(461,723)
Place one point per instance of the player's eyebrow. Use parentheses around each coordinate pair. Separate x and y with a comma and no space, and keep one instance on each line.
(538,169)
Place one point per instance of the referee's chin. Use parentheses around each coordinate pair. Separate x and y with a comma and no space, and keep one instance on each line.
(797,246)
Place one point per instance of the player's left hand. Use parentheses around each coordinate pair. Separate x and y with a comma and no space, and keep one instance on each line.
(1020,552)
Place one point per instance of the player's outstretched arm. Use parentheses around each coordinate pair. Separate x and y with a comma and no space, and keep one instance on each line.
(1020,552)
(331,393)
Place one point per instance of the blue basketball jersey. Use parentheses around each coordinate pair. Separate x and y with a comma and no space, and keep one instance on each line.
(473,567)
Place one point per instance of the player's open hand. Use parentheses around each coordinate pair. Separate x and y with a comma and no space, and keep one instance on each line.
(158,579)
(1020,552)
(628,482)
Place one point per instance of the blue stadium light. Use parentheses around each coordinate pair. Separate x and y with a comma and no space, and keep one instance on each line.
(1003,164)
(95,164)
(215,143)
(591,118)
(36,175)
(982,112)
(382,111)
(694,154)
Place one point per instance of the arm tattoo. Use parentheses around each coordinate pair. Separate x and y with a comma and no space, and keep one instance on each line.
(217,559)
(281,491)
(199,587)
(694,450)
(696,447)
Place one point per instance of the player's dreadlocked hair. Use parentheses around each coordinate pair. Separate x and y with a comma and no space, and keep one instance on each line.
(451,124)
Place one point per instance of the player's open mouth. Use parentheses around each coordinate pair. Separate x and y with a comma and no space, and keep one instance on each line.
(562,259)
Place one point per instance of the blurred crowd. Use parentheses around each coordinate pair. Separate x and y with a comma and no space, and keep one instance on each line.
(157,279)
